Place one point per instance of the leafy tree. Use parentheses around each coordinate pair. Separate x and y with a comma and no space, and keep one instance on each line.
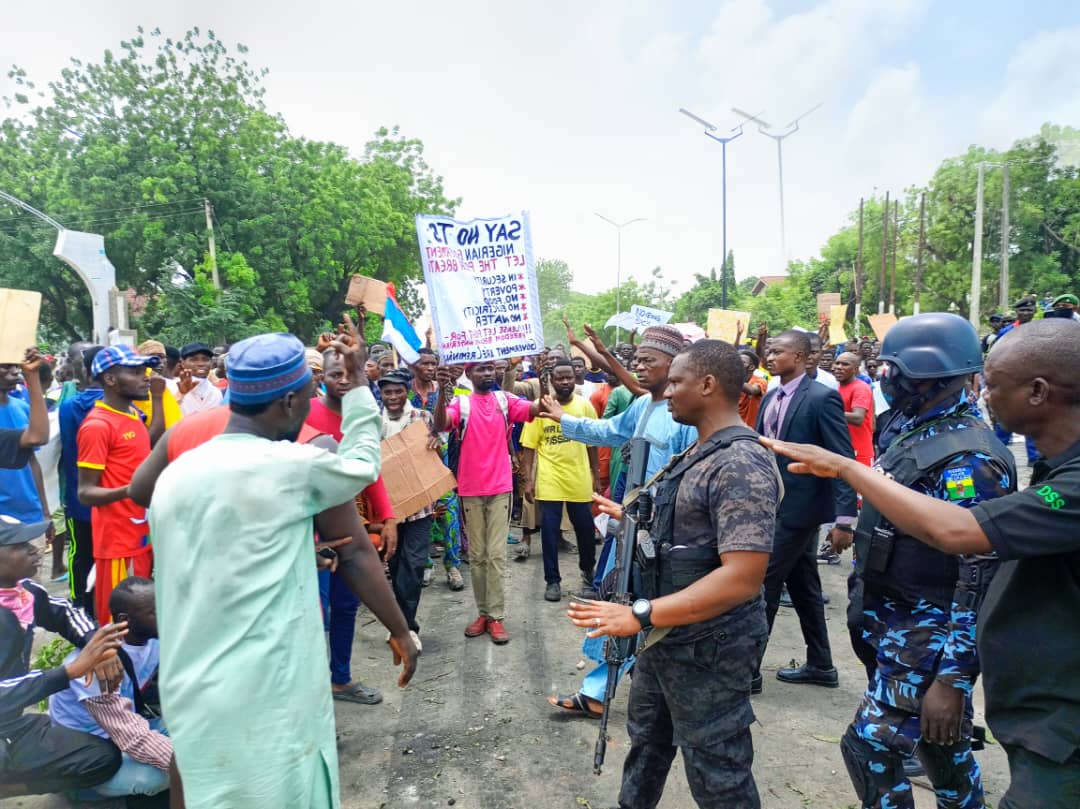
(132,145)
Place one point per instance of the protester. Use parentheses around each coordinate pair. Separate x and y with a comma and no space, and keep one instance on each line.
(858,401)
(173,414)
(414,531)
(73,413)
(39,757)
(1025,312)
(648,419)
(17,444)
(753,389)
(715,507)
(484,483)
(340,602)
(1030,378)
(567,474)
(22,488)
(112,442)
(798,407)
(196,392)
(127,714)
(241,721)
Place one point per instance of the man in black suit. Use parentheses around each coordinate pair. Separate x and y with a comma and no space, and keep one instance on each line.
(805,411)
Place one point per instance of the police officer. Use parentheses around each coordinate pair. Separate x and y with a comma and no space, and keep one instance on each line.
(701,601)
(914,605)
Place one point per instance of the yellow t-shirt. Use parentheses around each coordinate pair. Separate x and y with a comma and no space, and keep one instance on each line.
(562,465)
(170,405)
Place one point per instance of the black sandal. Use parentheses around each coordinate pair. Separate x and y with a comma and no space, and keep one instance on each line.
(575,704)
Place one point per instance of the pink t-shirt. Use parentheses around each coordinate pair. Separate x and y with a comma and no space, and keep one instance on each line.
(484,464)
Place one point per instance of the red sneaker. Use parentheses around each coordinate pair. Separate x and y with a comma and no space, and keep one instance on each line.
(497,632)
(477,627)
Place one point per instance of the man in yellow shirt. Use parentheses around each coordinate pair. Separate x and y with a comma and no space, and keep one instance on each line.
(567,474)
(154,348)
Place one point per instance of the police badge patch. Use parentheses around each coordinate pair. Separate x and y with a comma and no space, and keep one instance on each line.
(959,482)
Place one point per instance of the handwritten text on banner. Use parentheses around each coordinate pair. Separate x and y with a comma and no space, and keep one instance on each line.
(481,281)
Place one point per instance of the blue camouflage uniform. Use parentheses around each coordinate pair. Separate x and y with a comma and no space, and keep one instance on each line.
(917,640)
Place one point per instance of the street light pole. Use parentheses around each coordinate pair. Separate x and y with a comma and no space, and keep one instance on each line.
(709,129)
(618,265)
(790,129)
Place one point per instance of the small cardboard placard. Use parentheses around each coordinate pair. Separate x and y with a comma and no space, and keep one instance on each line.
(825,302)
(413,474)
(19,310)
(371,292)
(881,324)
(837,316)
(723,324)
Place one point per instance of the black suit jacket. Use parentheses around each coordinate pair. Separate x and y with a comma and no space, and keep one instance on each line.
(815,415)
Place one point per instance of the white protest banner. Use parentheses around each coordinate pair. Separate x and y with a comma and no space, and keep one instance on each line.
(645,316)
(481,281)
(624,320)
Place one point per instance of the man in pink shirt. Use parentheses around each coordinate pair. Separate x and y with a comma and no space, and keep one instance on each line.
(485,482)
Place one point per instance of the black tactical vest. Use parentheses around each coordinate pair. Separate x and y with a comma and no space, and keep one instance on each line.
(895,564)
(670,569)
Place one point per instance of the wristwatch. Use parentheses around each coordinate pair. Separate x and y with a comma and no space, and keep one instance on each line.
(642,610)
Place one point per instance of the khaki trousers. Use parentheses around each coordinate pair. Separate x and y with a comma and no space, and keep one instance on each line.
(487,519)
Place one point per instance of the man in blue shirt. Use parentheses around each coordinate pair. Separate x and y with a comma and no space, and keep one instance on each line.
(647,417)
(22,490)
(80,537)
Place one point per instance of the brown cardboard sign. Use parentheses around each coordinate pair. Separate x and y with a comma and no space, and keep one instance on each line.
(881,324)
(413,474)
(19,309)
(369,291)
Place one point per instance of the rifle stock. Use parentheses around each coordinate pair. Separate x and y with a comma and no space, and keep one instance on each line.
(617,650)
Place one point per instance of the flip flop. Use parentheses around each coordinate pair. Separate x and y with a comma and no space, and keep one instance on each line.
(522,552)
(359,693)
(62,577)
(575,704)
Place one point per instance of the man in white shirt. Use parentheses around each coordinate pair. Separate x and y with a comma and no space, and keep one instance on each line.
(196,392)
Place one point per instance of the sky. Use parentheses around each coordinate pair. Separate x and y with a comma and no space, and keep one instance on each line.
(569,109)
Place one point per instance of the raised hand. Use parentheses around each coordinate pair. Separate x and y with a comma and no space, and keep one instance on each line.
(594,338)
(550,409)
(31,363)
(570,336)
(326,339)
(185,382)
(157,385)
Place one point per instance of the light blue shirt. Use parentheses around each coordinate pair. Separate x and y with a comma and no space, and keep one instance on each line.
(666,436)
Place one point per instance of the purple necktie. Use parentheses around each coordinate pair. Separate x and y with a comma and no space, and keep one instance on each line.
(772,429)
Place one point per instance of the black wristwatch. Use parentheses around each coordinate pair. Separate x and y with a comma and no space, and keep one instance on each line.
(642,610)
(847,527)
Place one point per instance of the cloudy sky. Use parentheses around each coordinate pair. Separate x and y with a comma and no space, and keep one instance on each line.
(571,108)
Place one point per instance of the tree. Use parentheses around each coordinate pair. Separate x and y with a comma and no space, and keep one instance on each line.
(707,293)
(131,146)
(554,281)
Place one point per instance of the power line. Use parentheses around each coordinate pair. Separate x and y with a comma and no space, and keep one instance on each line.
(96,211)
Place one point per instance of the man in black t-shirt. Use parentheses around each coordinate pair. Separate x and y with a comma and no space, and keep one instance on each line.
(17,446)
(1029,632)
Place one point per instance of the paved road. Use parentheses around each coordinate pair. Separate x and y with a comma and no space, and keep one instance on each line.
(474,727)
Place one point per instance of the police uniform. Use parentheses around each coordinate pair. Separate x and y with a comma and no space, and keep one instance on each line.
(915,607)
(691,689)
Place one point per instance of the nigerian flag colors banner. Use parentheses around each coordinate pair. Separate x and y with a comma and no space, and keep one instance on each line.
(481,283)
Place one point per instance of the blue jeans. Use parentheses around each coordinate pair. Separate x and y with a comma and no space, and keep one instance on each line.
(133,778)
(551,531)
(339,619)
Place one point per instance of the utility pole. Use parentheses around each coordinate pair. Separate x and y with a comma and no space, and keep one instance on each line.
(1003,292)
(895,240)
(709,129)
(922,246)
(884,255)
(859,271)
(976,252)
(213,246)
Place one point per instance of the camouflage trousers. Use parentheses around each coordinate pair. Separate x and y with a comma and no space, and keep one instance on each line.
(691,692)
(908,640)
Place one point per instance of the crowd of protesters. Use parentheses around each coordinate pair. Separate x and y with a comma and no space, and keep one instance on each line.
(104,450)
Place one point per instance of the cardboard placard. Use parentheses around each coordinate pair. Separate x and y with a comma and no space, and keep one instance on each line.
(19,309)
(881,324)
(837,316)
(413,474)
(723,324)
(825,302)
(369,291)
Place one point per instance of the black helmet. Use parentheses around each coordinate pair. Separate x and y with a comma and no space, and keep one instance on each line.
(936,345)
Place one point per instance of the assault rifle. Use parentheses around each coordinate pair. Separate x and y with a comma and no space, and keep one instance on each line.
(637,514)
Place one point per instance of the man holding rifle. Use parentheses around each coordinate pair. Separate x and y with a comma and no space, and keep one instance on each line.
(701,601)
